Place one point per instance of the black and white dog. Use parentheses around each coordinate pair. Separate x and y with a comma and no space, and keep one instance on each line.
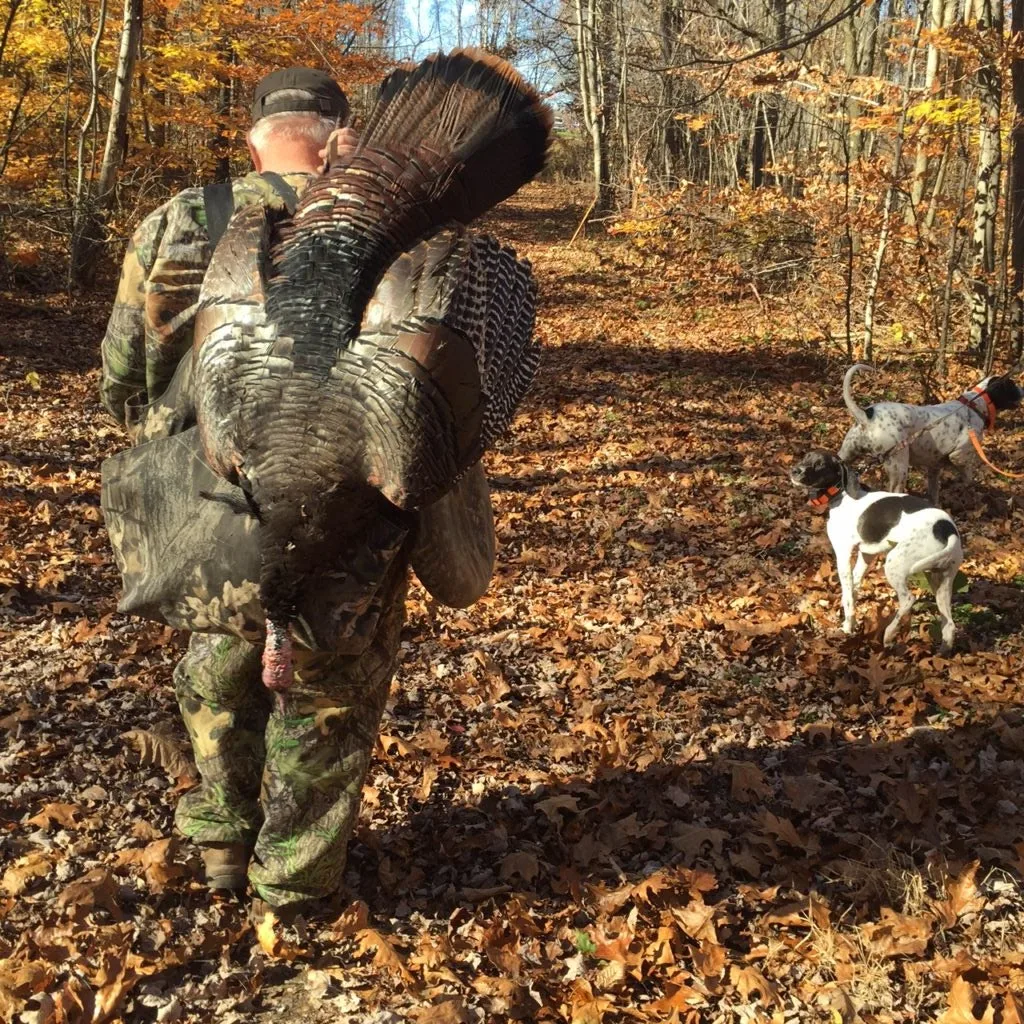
(913,534)
(937,434)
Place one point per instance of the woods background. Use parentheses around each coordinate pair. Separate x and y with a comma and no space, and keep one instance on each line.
(644,778)
(867,152)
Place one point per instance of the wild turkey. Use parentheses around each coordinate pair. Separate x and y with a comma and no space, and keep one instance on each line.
(352,361)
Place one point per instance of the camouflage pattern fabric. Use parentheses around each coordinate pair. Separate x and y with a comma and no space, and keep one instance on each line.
(289,784)
(150,326)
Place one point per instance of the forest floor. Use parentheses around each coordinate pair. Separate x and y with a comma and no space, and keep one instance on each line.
(643,779)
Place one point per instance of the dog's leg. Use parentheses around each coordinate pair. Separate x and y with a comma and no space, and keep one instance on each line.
(942,584)
(897,467)
(845,569)
(896,572)
(934,473)
(966,461)
(861,566)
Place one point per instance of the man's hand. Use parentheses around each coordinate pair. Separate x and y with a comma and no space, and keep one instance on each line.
(340,143)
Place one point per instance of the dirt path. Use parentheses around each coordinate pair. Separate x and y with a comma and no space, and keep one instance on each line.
(643,779)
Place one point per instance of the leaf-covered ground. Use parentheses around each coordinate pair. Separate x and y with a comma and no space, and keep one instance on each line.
(643,779)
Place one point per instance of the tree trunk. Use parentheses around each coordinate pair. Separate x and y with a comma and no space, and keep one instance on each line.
(592,29)
(117,130)
(986,194)
(93,204)
(890,194)
(936,20)
(766,111)
(628,163)
(672,21)
(80,265)
(860,34)
(1017,183)
(220,143)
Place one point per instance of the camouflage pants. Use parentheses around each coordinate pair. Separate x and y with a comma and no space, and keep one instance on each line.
(287,785)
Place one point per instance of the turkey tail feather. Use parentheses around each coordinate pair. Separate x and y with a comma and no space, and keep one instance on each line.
(475,109)
(447,141)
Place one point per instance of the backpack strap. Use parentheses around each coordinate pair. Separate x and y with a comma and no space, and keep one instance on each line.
(219,203)
(282,188)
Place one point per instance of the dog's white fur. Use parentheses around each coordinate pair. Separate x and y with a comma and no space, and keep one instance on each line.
(921,539)
(941,431)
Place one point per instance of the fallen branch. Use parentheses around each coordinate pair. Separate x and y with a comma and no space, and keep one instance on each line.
(579,227)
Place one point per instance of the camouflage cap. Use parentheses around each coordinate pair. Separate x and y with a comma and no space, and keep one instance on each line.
(299,90)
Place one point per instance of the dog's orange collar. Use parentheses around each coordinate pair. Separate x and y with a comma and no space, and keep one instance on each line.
(822,500)
(990,406)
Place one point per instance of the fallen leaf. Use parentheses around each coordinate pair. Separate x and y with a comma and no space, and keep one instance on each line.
(1012,1012)
(21,873)
(585,1007)
(710,959)
(156,861)
(75,1001)
(611,976)
(450,1010)
(61,814)
(19,980)
(273,943)
(396,745)
(681,997)
(784,830)
(748,782)
(523,864)
(427,780)
(962,897)
(897,934)
(752,985)
(553,804)
(161,750)
(697,920)
(961,1006)
(95,890)
(369,940)
(800,914)
(23,713)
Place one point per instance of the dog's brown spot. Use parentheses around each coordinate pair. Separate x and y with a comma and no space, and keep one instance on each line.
(881,516)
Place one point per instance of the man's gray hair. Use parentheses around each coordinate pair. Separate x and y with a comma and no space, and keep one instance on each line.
(291,126)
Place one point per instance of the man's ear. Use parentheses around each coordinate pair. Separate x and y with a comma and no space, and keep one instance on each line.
(257,163)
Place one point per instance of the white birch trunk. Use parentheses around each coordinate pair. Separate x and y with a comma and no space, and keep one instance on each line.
(986,193)
(936,19)
(117,129)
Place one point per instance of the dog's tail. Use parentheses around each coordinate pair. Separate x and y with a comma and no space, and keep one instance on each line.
(946,558)
(858,414)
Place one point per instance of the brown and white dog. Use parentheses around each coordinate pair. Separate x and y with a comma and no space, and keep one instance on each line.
(938,435)
(913,534)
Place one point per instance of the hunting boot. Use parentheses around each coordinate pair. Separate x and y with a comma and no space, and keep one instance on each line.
(227,866)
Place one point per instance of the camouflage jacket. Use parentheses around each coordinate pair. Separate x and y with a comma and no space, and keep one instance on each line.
(150,326)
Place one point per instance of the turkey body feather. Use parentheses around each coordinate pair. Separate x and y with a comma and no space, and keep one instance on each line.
(352,361)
